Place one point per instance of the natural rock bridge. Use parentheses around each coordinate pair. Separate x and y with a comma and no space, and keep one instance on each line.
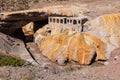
(11,24)
(12,36)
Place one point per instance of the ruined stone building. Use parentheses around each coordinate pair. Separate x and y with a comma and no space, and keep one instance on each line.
(76,22)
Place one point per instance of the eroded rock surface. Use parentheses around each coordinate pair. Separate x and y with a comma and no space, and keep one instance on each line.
(11,22)
(108,34)
(70,46)
(40,14)
(52,29)
(107,28)
(14,47)
(28,29)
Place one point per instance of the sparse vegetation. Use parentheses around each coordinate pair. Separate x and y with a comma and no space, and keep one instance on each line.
(72,68)
(13,5)
(10,61)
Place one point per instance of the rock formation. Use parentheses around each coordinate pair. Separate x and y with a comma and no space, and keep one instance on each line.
(28,29)
(13,23)
(14,20)
(50,29)
(70,45)
(40,14)
(64,43)
(107,28)
(14,47)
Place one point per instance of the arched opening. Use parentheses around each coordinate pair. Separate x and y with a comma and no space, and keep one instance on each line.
(68,21)
(50,20)
(54,20)
(79,22)
(74,21)
(57,20)
(61,21)
(39,24)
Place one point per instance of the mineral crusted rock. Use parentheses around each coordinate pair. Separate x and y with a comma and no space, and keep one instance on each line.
(107,28)
(67,46)
(51,29)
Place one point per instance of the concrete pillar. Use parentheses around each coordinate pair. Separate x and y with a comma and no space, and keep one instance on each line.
(55,20)
(68,21)
(63,21)
(72,21)
(49,20)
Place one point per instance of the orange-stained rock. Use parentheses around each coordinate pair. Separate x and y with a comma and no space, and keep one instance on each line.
(28,29)
(107,27)
(77,46)
(51,29)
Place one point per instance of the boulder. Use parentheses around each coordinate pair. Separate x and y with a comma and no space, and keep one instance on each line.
(66,46)
(107,28)
(28,29)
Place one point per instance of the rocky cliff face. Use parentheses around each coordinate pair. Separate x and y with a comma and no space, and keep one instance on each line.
(15,20)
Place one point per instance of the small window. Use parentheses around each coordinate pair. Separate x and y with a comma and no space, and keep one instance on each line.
(61,21)
(57,20)
(53,20)
(50,20)
(79,21)
(68,21)
(74,22)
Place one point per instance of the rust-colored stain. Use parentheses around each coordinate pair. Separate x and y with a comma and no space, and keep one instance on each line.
(78,46)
